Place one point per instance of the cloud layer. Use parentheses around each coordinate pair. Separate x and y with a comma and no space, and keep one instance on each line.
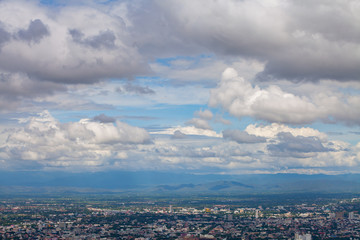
(296,40)
(160,65)
(46,141)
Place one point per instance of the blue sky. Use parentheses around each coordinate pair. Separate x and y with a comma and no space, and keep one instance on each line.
(223,87)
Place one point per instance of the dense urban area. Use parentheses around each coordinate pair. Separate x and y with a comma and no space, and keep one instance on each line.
(180,218)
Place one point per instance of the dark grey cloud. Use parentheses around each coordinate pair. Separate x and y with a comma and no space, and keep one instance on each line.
(135,89)
(16,88)
(296,146)
(4,36)
(242,137)
(178,135)
(105,39)
(104,119)
(34,33)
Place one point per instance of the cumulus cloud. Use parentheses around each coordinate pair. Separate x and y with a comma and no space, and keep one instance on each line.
(15,87)
(272,130)
(105,39)
(299,146)
(203,121)
(178,135)
(240,98)
(104,119)
(199,123)
(73,44)
(34,33)
(47,141)
(189,130)
(297,41)
(242,137)
(206,114)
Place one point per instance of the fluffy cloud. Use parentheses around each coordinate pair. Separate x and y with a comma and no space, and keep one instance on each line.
(206,114)
(272,130)
(178,135)
(104,119)
(15,87)
(296,40)
(51,143)
(189,130)
(70,45)
(240,98)
(300,147)
(34,33)
(44,142)
(242,137)
(199,123)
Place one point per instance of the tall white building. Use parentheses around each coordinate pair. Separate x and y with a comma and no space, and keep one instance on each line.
(302,237)
(256,213)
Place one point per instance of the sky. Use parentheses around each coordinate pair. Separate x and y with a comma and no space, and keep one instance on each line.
(205,86)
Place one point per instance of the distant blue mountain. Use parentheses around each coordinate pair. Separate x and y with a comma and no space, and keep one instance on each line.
(174,182)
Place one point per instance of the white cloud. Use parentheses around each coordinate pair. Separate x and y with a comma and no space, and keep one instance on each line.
(94,145)
(199,123)
(272,130)
(189,130)
(206,114)
(45,140)
(240,98)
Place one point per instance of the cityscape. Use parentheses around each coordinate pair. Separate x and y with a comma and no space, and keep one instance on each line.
(184,218)
(179,119)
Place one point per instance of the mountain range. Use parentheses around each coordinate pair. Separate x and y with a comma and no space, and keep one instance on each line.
(171,183)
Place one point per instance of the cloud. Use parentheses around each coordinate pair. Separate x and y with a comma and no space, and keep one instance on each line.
(206,114)
(35,32)
(44,142)
(242,137)
(50,143)
(203,69)
(203,121)
(178,135)
(17,87)
(4,36)
(74,45)
(189,130)
(130,88)
(199,123)
(105,39)
(240,98)
(297,41)
(104,119)
(272,130)
(298,147)
(220,119)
